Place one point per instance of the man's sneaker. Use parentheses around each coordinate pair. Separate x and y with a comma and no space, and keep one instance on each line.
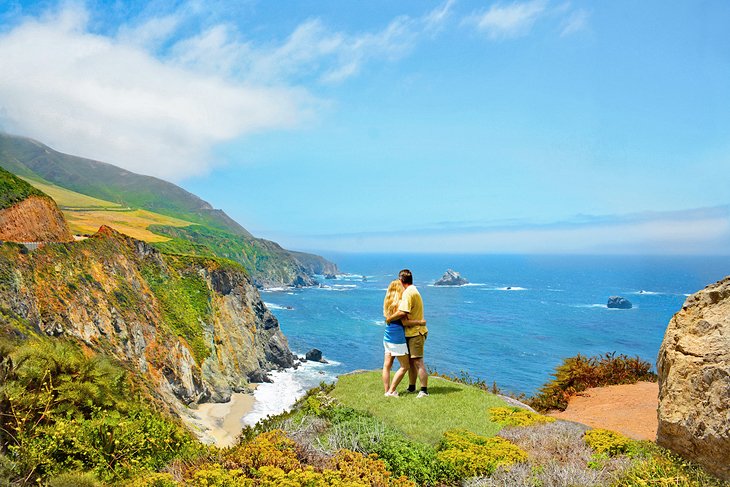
(409,392)
(422,394)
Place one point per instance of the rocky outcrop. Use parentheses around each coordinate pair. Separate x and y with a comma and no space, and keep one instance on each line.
(451,278)
(694,380)
(195,327)
(35,219)
(619,302)
(315,355)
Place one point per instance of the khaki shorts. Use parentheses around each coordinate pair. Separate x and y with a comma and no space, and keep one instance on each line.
(415,345)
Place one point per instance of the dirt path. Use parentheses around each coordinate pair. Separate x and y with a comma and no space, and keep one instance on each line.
(629,409)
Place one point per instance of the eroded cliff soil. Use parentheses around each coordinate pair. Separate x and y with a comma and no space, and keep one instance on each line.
(35,219)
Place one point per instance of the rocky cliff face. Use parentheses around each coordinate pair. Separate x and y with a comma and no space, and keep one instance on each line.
(195,327)
(35,219)
(694,380)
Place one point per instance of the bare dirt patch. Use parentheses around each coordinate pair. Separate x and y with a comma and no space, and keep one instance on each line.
(629,409)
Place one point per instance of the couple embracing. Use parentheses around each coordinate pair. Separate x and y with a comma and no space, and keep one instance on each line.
(405,335)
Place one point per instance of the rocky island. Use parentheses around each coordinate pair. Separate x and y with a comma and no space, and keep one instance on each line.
(618,302)
(451,278)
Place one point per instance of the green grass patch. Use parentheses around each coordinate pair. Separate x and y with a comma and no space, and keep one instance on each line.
(449,406)
(13,190)
(185,301)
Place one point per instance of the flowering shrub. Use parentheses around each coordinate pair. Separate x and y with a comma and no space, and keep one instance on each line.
(606,441)
(271,449)
(517,417)
(470,455)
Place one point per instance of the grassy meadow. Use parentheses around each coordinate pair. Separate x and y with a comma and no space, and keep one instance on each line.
(85,214)
(450,405)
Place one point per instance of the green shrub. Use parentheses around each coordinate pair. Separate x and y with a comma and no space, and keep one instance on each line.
(14,190)
(579,373)
(606,441)
(74,479)
(657,466)
(65,412)
(359,431)
(469,455)
(517,417)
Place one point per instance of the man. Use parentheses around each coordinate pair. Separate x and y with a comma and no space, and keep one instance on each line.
(411,307)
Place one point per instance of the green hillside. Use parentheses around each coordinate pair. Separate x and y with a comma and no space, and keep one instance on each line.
(93,193)
(29,158)
(14,190)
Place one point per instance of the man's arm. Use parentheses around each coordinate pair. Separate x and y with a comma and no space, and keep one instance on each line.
(403,317)
(398,315)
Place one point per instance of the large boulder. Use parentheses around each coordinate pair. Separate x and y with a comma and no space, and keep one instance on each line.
(451,278)
(694,380)
(619,303)
(315,355)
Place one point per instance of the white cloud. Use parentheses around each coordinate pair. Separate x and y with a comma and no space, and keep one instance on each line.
(509,20)
(153,102)
(577,21)
(311,51)
(105,99)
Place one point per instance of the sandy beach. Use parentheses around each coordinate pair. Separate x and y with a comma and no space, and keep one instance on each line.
(221,422)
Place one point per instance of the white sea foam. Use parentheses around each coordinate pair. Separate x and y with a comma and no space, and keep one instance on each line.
(287,387)
(649,293)
(378,322)
(277,306)
(274,289)
(336,287)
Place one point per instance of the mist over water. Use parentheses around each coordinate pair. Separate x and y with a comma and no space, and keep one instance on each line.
(514,324)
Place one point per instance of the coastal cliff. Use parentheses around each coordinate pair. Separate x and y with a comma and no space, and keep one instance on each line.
(194,327)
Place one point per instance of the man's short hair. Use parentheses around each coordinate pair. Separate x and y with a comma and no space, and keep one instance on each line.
(405,276)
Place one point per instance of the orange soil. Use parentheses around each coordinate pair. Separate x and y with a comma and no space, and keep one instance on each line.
(629,409)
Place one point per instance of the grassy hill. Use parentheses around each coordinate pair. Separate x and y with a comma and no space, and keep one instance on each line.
(93,193)
(31,159)
(14,190)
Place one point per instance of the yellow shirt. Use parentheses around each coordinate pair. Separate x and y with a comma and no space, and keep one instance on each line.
(412,304)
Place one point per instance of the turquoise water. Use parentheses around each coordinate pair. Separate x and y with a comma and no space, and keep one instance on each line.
(516,337)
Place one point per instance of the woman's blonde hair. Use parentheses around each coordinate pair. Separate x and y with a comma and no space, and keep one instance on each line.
(392,298)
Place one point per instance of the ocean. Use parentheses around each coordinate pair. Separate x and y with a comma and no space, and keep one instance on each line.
(514,322)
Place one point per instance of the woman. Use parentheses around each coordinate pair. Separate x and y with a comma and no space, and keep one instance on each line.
(394,340)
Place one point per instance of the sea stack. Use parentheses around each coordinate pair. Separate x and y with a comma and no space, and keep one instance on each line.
(694,384)
(619,303)
(451,278)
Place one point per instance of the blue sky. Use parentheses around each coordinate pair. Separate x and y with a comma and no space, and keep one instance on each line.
(458,126)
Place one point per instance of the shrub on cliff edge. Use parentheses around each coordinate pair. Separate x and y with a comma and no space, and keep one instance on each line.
(579,373)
